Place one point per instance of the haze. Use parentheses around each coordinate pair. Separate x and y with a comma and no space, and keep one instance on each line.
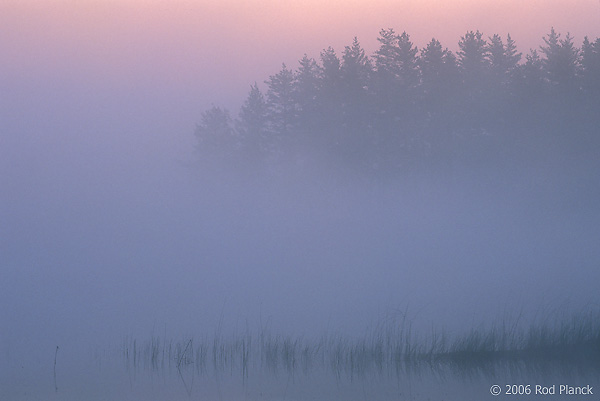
(107,228)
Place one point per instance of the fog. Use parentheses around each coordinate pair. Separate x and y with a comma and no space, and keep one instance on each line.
(109,230)
(112,228)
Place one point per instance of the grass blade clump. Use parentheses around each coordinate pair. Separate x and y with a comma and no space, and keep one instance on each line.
(565,341)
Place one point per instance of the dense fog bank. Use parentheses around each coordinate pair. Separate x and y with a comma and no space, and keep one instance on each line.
(171,251)
(111,226)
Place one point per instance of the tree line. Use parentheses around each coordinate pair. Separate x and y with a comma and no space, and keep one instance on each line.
(403,106)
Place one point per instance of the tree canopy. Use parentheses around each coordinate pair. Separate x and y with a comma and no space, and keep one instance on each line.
(404,106)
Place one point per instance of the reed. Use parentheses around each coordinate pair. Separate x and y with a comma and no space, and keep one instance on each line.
(392,346)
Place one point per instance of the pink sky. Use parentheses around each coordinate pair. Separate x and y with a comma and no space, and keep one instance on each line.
(221,47)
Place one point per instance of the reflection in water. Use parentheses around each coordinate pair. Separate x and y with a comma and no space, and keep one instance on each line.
(389,363)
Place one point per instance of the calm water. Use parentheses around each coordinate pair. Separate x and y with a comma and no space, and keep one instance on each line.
(109,375)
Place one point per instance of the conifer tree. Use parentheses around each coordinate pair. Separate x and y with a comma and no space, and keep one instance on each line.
(409,69)
(532,74)
(355,70)
(395,79)
(513,57)
(474,67)
(353,140)
(331,71)
(439,84)
(386,74)
(590,83)
(252,126)
(330,93)
(281,104)
(306,93)
(386,57)
(355,74)
(215,135)
(590,66)
(503,59)
(472,56)
(438,68)
(561,62)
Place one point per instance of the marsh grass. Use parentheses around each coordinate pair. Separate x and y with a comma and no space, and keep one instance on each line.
(567,343)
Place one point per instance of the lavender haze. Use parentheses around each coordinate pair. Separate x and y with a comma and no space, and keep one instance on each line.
(109,229)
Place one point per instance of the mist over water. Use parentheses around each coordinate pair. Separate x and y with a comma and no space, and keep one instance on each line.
(113,232)
(102,245)
(109,230)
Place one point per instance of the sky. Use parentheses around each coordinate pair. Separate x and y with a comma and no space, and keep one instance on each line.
(102,225)
(159,64)
(212,51)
